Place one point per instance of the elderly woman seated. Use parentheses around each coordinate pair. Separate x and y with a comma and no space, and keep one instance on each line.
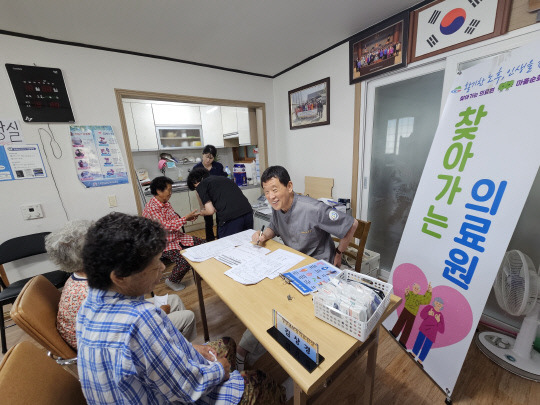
(65,250)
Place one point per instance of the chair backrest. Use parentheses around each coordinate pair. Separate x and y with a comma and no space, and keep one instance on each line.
(318,187)
(29,376)
(35,311)
(19,248)
(361,233)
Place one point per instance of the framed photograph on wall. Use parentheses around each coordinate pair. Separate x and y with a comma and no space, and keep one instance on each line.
(379,49)
(445,25)
(309,105)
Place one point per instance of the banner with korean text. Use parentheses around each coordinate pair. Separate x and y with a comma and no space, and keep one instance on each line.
(481,166)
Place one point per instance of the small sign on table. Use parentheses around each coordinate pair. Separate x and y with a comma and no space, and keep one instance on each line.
(302,348)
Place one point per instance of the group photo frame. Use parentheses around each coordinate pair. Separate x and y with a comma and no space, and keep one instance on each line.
(379,49)
(309,105)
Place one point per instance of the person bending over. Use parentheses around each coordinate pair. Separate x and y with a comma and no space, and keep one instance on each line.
(214,168)
(222,195)
(129,351)
(304,224)
(159,209)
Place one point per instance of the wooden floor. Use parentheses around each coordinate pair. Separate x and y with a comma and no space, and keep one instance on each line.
(398,379)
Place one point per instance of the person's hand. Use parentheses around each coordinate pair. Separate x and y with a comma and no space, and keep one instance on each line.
(438,317)
(208,352)
(192,216)
(407,290)
(337,260)
(429,288)
(430,313)
(259,237)
(226,366)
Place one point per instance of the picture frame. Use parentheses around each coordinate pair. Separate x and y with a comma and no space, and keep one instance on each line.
(379,49)
(309,105)
(445,25)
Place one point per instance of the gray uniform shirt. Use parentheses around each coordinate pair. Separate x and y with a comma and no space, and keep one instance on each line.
(308,225)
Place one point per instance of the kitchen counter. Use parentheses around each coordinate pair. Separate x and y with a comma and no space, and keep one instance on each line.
(181,186)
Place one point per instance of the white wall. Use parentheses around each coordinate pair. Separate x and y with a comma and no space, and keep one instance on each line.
(91,77)
(323,151)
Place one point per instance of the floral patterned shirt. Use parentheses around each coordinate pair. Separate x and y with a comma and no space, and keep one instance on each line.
(73,294)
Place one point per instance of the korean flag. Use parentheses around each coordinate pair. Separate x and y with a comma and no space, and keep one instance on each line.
(452,22)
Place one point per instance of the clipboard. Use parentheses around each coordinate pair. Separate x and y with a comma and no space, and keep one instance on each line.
(309,278)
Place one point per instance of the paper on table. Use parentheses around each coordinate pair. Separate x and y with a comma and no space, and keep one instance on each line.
(200,253)
(260,267)
(241,254)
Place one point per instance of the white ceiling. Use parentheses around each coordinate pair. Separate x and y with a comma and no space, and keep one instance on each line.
(257,36)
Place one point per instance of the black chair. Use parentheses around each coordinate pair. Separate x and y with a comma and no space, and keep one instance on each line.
(15,249)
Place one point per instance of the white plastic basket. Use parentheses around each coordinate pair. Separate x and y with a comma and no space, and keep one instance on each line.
(351,326)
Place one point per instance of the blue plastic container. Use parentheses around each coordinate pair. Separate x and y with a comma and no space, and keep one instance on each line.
(240,177)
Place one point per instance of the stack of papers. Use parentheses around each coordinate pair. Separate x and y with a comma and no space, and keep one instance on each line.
(206,251)
(260,267)
(249,263)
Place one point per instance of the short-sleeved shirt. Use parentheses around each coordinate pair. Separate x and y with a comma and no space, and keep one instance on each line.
(130,353)
(216,170)
(227,198)
(308,225)
(73,294)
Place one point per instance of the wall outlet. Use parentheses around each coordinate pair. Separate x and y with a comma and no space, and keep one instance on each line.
(31,211)
(112,201)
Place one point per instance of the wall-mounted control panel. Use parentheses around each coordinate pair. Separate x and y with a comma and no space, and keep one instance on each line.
(32,211)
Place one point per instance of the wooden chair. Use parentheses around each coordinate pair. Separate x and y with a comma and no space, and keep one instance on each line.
(35,310)
(318,187)
(361,233)
(28,376)
(15,249)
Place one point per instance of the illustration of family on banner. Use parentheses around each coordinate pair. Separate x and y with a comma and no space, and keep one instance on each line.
(481,166)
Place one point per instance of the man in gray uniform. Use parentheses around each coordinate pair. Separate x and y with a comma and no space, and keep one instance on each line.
(304,224)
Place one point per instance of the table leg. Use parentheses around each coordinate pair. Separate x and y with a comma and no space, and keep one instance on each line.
(300,397)
(198,280)
(370,370)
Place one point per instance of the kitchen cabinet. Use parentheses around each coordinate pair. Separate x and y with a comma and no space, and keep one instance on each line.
(130,126)
(244,136)
(229,120)
(176,114)
(180,203)
(188,137)
(235,122)
(145,131)
(211,126)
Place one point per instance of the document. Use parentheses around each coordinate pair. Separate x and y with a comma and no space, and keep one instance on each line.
(241,254)
(260,267)
(206,251)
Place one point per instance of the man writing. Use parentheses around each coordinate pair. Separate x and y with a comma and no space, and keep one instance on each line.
(304,224)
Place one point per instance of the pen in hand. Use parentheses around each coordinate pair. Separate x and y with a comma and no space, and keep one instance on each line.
(262,229)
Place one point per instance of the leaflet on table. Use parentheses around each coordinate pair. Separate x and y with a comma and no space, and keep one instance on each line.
(21,161)
(97,156)
(206,251)
(260,267)
(309,278)
(241,254)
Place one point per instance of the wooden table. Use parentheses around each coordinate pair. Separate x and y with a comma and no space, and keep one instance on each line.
(253,305)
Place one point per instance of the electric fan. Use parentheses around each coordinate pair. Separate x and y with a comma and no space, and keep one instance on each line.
(517,289)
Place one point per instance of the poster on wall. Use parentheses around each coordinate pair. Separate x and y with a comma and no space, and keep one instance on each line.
(10,132)
(97,156)
(21,162)
(481,166)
